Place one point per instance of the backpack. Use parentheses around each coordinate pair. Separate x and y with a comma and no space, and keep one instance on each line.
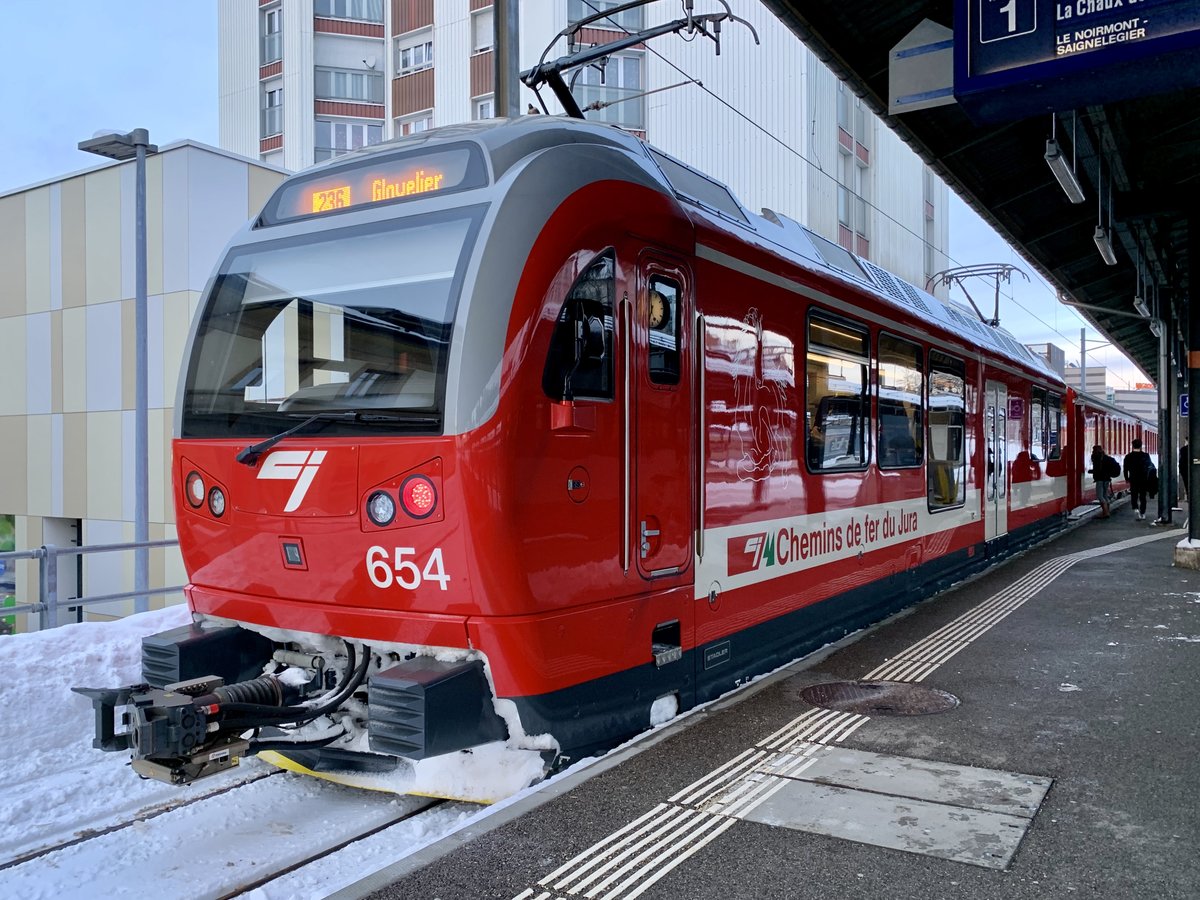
(1112,468)
(1151,479)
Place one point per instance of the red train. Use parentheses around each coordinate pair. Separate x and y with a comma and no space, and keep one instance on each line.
(524,434)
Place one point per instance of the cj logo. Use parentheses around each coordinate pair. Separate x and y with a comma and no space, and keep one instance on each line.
(745,553)
(299,466)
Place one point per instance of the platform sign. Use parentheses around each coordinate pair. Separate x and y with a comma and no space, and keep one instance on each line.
(1183,405)
(1016,58)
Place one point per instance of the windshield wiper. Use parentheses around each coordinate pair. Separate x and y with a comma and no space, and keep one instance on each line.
(249,455)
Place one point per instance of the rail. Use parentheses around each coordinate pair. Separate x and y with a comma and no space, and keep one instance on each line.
(48,555)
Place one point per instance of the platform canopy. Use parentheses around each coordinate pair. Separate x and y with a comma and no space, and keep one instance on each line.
(1115,82)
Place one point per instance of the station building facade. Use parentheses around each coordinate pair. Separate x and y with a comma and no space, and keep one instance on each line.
(67,351)
(302,81)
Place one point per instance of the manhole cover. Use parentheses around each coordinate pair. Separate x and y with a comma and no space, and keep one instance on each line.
(878,698)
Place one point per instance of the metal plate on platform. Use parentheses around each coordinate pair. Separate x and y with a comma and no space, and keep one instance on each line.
(878,698)
(962,813)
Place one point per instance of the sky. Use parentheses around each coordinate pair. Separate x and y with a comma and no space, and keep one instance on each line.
(82,66)
(153,64)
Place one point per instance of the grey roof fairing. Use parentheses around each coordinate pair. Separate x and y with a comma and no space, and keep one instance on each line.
(536,162)
(532,190)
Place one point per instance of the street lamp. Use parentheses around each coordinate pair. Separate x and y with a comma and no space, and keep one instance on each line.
(136,145)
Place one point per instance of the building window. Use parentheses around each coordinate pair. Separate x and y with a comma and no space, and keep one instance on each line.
(272,36)
(413,124)
(348,84)
(629,20)
(483,108)
(618,83)
(930,231)
(483,30)
(333,137)
(362,10)
(272,111)
(853,209)
(414,53)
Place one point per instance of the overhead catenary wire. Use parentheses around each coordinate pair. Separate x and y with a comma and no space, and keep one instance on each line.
(818,168)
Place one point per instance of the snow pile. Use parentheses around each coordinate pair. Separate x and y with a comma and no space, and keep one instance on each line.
(54,781)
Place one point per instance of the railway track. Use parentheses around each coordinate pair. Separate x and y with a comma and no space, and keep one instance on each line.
(227,842)
(145,815)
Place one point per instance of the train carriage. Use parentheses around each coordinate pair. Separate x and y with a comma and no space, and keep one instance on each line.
(526,435)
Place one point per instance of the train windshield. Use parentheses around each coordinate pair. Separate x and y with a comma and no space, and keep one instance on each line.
(355,323)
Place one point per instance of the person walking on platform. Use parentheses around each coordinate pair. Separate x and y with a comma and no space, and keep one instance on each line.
(1100,474)
(1183,470)
(1137,473)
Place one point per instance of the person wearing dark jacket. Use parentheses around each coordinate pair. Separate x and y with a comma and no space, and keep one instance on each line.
(1137,473)
(1102,478)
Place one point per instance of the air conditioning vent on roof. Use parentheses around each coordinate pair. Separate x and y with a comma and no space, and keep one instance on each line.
(894,287)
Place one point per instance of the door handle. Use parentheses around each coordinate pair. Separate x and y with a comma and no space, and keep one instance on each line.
(647,533)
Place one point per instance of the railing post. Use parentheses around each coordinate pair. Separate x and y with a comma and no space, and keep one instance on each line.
(48,587)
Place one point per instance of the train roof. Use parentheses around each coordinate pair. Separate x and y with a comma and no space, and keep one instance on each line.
(508,141)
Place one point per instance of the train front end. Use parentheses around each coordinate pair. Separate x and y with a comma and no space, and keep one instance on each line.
(318,489)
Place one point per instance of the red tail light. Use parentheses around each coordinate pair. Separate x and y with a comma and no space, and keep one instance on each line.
(418,496)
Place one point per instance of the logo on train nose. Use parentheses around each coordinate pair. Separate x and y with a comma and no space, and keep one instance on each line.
(299,466)
(745,553)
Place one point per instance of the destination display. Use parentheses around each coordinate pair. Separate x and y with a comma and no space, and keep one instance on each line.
(379,181)
(1066,53)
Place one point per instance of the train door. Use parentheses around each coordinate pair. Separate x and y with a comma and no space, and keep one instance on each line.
(662,432)
(995,480)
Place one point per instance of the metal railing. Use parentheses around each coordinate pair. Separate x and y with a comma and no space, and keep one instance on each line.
(48,602)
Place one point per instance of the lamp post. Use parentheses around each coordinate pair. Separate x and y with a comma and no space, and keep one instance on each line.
(136,145)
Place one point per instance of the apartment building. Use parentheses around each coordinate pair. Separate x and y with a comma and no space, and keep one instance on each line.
(303,81)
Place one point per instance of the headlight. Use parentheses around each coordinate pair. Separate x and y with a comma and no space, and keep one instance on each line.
(381,508)
(216,502)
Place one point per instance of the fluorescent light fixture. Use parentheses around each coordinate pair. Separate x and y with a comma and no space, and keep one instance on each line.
(1104,245)
(1063,171)
(1155,328)
(1140,305)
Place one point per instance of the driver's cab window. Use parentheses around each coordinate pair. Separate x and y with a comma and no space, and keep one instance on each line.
(662,311)
(580,362)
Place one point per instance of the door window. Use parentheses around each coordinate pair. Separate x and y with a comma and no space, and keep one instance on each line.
(947,420)
(663,330)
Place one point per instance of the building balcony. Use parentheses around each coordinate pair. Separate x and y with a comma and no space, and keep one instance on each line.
(271,48)
(348,86)
(355,10)
(271,121)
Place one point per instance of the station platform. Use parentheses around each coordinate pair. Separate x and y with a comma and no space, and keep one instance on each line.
(1069,767)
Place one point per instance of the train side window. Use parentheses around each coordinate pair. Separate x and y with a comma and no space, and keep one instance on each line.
(663,331)
(1037,425)
(901,391)
(836,411)
(947,426)
(1054,426)
(580,362)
